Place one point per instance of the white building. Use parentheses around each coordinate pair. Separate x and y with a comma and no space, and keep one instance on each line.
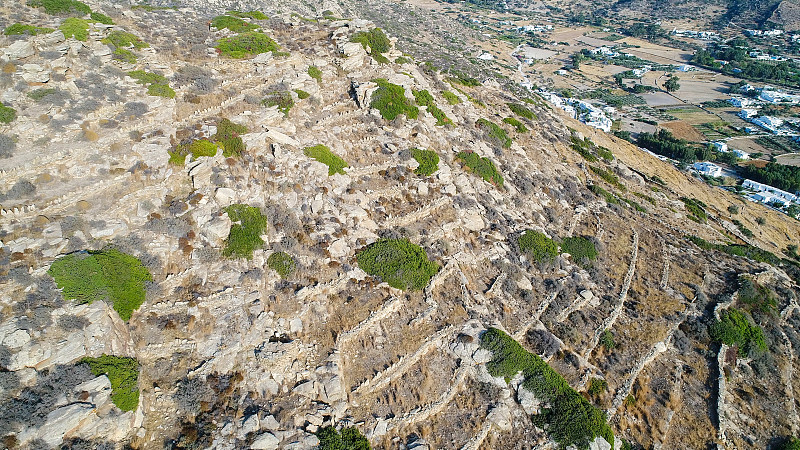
(708,169)
(742,102)
(720,146)
(769,123)
(773,193)
(741,154)
(748,113)
(771,96)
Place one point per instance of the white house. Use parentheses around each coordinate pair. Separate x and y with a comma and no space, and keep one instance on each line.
(708,169)
(748,113)
(765,188)
(720,146)
(778,97)
(741,154)
(742,102)
(769,123)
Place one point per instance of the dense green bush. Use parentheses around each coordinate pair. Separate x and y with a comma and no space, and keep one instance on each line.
(579,247)
(245,234)
(349,439)
(428,161)
(399,263)
(584,148)
(102,275)
(143,77)
(74,27)
(495,132)
(301,94)
(607,340)
(161,90)
(747,251)
(324,155)
(735,328)
(198,148)
(596,387)
(374,40)
(538,246)
(696,209)
(119,38)
(424,98)
(234,24)
(521,111)
(101,18)
(390,99)
(7,114)
(315,73)
(519,126)
(61,6)
(570,419)
(282,99)
(19,28)
(123,373)
(228,136)
(124,55)
(481,166)
(282,263)
(246,44)
(451,98)
(605,153)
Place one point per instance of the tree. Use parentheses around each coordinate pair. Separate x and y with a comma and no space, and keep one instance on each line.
(760,220)
(672,84)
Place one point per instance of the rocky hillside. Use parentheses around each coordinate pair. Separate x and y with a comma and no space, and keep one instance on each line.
(267,230)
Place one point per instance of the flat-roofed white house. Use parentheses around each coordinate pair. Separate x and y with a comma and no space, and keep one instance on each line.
(708,169)
(773,192)
(720,146)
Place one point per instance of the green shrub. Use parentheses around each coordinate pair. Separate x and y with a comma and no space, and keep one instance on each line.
(124,55)
(234,24)
(597,386)
(282,263)
(19,28)
(247,44)
(143,77)
(538,246)
(198,148)
(102,275)
(402,60)
(399,263)
(791,443)
(519,126)
(605,153)
(607,340)
(579,247)
(481,166)
(301,94)
(61,6)
(324,155)
(124,39)
(696,209)
(257,15)
(570,419)
(315,73)
(160,90)
(38,94)
(282,99)
(123,373)
(608,177)
(7,114)
(583,147)
(495,132)
(375,40)
(735,328)
(451,98)
(521,111)
(757,297)
(610,198)
(349,439)
(74,27)
(390,99)
(228,136)
(101,18)
(424,98)
(428,161)
(245,235)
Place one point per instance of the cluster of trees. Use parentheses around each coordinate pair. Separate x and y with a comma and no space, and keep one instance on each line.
(740,64)
(664,143)
(773,174)
(647,31)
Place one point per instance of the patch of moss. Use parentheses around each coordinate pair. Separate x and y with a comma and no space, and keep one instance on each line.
(143,77)
(61,6)
(124,55)
(495,132)
(102,275)
(282,263)
(301,94)
(257,15)
(324,155)
(428,161)
(119,38)
(123,373)
(315,73)
(451,98)
(161,90)
(7,114)
(74,27)
(38,94)
(19,28)
(519,126)
(198,148)
(390,99)
(399,263)
(101,18)
(245,235)
(246,44)
(521,111)
(481,166)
